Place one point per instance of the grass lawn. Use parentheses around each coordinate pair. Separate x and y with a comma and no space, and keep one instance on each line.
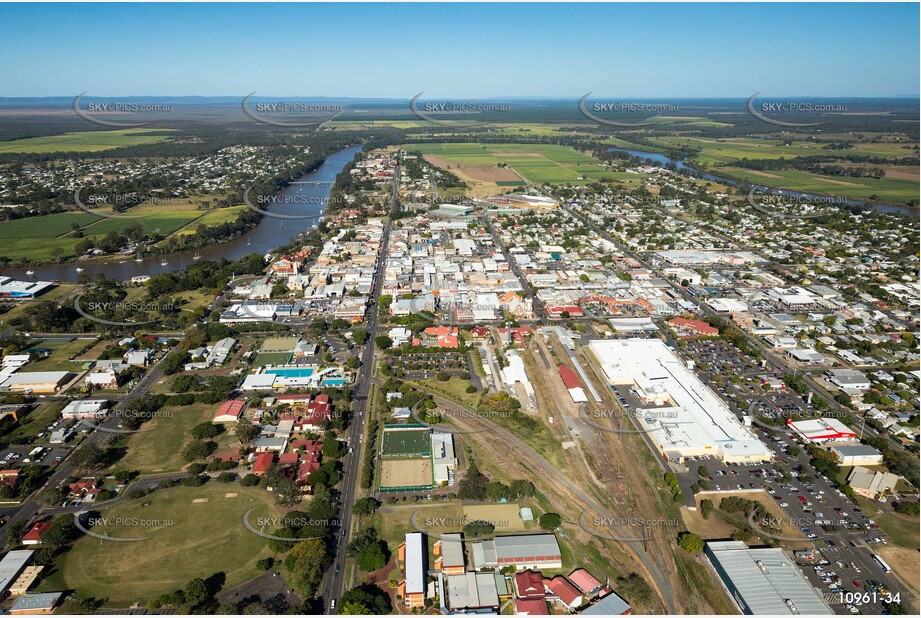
(160,449)
(62,350)
(884,189)
(85,141)
(188,539)
(28,427)
(455,389)
(213,217)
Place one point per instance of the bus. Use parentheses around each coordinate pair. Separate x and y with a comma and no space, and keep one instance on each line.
(882,564)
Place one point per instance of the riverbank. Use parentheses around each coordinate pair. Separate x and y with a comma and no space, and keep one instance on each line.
(304,200)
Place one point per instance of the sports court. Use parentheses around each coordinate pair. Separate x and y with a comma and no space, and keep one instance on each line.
(406,474)
(406,441)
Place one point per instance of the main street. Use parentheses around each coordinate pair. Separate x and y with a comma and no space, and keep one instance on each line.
(336,581)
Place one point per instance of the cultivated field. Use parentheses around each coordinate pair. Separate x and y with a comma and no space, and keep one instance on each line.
(84,141)
(193,530)
(535,163)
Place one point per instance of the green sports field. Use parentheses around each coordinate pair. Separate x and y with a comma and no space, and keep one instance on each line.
(84,141)
(193,531)
(406,442)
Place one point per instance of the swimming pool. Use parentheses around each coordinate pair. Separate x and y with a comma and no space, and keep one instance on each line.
(333,381)
(292,372)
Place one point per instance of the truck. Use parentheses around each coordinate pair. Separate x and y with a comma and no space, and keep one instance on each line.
(882,564)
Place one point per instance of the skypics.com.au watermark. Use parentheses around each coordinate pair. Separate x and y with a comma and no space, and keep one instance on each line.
(94,310)
(260,524)
(796,112)
(291,114)
(473,529)
(766,527)
(125,114)
(265,201)
(434,418)
(788,206)
(121,525)
(624,529)
(632,420)
(128,417)
(115,201)
(461,112)
(647,109)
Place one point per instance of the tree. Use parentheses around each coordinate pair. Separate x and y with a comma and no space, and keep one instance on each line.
(365,599)
(473,485)
(706,508)
(246,432)
(549,521)
(196,590)
(478,529)
(365,506)
(383,341)
(205,430)
(691,542)
(307,561)
(199,450)
(88,458)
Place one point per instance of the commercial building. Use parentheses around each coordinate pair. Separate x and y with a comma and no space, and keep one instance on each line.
(821,430)
(608,605)
(449,554)
(849,379)
(473,592)
(856,455)
(36,381)
(11,288)
(763,580)
(681,415)
(526,551)
(11,566)
(85,408)
(870,483)
(36,603)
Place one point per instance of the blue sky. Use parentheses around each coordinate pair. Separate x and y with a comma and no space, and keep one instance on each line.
(455,50)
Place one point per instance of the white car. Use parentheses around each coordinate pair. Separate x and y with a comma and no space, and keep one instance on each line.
(784,505)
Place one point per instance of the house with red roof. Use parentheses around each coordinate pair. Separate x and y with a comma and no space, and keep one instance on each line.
(529,585)
(84,487)
(263,462)
(531,607)
(442,336)
(9,477)
(34,535)
(561,589)
(288,459)
(479,332)
(230,411)
(586,582)
(691,329)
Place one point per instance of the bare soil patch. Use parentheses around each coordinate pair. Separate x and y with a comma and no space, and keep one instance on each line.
(489,174)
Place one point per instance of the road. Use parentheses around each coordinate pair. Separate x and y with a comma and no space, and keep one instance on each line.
(31,508)
(335,583)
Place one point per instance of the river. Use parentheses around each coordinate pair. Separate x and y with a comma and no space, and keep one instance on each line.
(306,196)
(681,165)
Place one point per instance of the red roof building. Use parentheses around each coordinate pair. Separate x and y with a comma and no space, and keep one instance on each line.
(574,311)
(82,487)
(570,379)
(689,329)
(288,459)
(585,581)
(34,535)
(531,607)
(529,585)
(263,462)
(561,588)
(230,411)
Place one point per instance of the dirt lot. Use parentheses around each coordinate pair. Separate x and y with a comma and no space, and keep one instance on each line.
(406,472)
(904,563)
(902,172)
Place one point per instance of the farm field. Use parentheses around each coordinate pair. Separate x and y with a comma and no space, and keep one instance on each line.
(535,163)
(717,151)
(84,141)
(159,448)
(884,189)
(192,530)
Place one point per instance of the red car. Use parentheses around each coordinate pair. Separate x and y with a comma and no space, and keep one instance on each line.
(802,499)
(856,583)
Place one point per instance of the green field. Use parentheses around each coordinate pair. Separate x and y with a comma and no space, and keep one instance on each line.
(406,442)
(43,238)
(62,350)
(727,150)
(159,448)
(188,539)
(536,163)
(84,141)
(882,189)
